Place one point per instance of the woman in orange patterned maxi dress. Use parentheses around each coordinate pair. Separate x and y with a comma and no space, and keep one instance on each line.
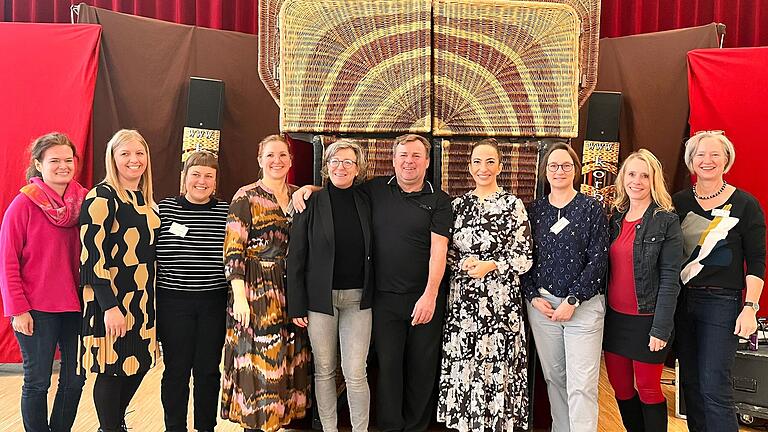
(265,382)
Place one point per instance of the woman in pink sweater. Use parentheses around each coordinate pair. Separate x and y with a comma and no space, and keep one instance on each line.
(39,266)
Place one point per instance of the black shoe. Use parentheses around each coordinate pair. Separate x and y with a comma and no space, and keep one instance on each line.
(655,417)
(632,414)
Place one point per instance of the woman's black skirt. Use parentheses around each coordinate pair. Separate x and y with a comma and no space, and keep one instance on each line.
(627,335)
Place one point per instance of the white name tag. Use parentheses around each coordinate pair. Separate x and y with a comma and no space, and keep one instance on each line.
(179,229)
(720,213)
(559,225)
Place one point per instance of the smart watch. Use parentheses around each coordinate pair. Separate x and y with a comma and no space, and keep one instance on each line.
(572,300)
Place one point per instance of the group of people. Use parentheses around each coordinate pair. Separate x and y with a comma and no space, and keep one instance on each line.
(308,273)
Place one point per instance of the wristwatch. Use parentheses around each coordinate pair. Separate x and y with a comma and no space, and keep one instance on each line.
(572,300)
(753,305)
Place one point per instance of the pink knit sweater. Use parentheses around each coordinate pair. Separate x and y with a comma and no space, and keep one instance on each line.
(39,262)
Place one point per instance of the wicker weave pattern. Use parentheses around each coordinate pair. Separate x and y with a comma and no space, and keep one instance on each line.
(505,68)
(518,174)
(269,46)
(355,66)
(589,15)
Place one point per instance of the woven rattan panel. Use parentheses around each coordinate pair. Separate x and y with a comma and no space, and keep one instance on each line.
(355,66)
(518,174)
(505,68)
(378,154)
(269,46)
(589,42)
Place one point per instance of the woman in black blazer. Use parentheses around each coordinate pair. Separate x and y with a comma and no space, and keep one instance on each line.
(330,282)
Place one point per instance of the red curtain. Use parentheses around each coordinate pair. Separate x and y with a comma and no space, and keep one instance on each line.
(746,20)
(727,92)
(47,80)
(237,15)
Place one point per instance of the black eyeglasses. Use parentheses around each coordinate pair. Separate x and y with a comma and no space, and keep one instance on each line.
(553,167)
(346,163)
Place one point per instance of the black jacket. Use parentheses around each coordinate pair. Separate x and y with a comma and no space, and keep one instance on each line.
(311,253)
(658,255)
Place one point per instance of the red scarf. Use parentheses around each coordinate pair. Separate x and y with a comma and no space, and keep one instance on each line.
(61,211)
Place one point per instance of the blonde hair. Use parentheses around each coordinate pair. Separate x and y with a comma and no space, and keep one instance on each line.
(693,144)
(345,143)
(199,158)
(145,183)
(659,192)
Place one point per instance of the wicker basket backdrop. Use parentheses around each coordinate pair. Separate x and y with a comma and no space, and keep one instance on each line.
(519,167)
(589,15)
(505,68)
(355,66)
(269,47)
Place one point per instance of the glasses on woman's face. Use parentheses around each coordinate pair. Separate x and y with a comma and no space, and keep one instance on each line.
(346,163)
(566,167)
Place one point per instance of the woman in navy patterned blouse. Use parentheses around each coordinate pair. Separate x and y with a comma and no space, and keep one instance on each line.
(565,291)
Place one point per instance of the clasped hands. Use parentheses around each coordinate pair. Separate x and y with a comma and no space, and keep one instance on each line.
(476,268)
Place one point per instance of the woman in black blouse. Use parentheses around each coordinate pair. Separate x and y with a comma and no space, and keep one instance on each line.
(724,253)
(330,282)
(565,291)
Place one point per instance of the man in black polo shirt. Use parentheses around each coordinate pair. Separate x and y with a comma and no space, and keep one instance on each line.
(411,227)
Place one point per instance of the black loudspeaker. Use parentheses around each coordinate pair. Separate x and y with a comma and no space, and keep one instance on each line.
(600,160)
(205,103)
(603,117)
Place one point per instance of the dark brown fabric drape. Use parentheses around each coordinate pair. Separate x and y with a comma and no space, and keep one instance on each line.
(143,79)
(651,73)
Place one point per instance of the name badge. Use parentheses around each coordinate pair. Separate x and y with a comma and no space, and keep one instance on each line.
(179,229)
(559,225)
(720,213)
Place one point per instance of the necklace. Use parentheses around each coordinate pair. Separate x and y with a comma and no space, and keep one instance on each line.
(722,188)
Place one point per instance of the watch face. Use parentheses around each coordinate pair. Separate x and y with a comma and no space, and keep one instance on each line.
(572,300)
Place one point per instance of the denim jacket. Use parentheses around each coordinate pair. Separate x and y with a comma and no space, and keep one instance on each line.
(658,255)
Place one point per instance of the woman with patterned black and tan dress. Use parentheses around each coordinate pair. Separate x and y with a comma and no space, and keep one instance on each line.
(265,381)
(118,230)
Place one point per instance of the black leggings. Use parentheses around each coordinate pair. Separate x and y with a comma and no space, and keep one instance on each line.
(111,395)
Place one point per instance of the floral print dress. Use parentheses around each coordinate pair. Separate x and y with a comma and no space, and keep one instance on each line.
(483,377)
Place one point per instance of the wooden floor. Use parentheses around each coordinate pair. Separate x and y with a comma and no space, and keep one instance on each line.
(146,413)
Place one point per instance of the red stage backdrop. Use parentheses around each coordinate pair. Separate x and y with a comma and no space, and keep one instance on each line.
(727,91)
(47,79)
(747,20)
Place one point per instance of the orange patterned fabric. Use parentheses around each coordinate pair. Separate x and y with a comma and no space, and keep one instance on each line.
(117,268)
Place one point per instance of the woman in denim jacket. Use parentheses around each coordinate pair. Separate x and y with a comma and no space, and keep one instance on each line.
(643,284)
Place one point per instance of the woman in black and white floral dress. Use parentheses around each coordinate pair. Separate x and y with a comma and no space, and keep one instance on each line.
(483,378)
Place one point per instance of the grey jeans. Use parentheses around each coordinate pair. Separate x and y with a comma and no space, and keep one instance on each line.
(352,327)
(570,361)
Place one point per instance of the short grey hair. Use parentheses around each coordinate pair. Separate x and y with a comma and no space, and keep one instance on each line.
(693,144)
(345,143)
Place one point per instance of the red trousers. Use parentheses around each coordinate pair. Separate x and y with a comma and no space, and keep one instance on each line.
(626,374)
